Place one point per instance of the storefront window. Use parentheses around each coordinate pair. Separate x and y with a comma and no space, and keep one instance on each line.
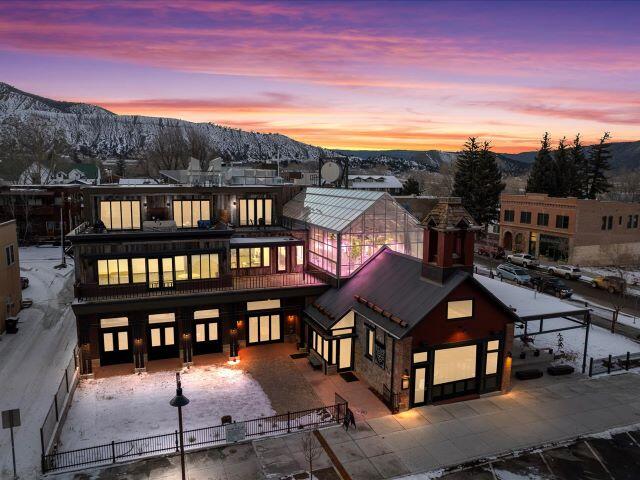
(186,213)
(452,364)
(255,211)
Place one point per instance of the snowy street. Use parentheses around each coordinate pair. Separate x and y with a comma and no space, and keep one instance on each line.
(32,361)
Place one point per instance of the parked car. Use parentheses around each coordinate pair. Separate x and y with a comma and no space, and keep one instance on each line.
(492,251)
(513,272)
(24,282)
(523,259)
(610,284)
(551,285)
(566,271)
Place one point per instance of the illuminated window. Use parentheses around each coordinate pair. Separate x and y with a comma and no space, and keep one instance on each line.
(420,357)
(370,339)
(113,272)
(139,270)
(120,215)
(460,309)
(299,255)
(186,213)
(181,269)
(282,259)
(256,257)
(250,257)
(205,266)
(245,258)
(266,256)
(493,348)
(234,258)
(255,211)
(453,364)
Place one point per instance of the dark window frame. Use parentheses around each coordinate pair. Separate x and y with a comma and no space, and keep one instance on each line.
(562,221)
(509,215)
(525,217)
(368,330)
(543,219)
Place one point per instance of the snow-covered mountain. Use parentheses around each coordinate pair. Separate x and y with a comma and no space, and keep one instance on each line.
(96,132)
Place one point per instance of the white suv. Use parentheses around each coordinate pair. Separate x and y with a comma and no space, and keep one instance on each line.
(523,259)
(567,271)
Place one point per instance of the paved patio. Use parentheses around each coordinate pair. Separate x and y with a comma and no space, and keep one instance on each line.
(432,437)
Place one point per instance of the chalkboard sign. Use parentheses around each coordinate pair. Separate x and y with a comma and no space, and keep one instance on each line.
(236,432)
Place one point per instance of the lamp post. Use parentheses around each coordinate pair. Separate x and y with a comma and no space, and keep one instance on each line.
(180,401)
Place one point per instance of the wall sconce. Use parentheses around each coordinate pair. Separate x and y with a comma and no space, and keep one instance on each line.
(137,342)
(239,324)
(405,380)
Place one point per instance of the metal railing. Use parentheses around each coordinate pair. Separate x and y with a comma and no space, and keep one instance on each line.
(614,363)
(200,437)
(52,421)
(224,283)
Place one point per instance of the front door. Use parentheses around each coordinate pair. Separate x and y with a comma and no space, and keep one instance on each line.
(115,346)
(264,329)
(344,354)
(419,376)
(207,337)
(162,341)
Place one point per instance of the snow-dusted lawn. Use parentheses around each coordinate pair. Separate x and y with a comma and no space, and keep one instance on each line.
(133,406)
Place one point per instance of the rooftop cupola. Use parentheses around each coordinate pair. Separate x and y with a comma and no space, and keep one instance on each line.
(449,232)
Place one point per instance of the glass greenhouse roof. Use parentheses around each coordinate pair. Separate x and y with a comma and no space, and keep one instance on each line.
(330,208)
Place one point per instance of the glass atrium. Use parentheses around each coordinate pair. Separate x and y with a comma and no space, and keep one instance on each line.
(347,227)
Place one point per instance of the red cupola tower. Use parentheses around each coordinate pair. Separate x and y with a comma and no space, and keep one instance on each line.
(449,234)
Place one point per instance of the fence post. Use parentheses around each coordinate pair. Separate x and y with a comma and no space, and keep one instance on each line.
(177,447)
(42,462)
(66,379)
(113,451)
(55,403)
(609,365)
(628,361)
(591,366)
(288,422)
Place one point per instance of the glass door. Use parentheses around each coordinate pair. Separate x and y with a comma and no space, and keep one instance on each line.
(161,336)
(419,379)
(344,354)
(115,345)
(264,329)
(161,272)
(167,272)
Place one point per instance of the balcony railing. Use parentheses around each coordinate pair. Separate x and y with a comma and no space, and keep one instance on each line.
(226,283)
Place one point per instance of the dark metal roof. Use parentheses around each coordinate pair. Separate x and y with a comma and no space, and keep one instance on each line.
(392,286)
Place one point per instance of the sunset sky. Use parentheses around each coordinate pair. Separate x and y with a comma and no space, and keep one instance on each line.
(375,75)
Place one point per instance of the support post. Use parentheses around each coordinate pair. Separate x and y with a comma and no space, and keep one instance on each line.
(13,452)
(55,403)
(288,422)
(113,451)
(609,364)
(628,363)
(586,345)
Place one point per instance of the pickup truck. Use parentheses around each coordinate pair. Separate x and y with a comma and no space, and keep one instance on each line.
(523,259)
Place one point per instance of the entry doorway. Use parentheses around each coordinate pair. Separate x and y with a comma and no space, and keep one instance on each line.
(345,354)
(206,332)
(161,335)
(115,344)
(264,328)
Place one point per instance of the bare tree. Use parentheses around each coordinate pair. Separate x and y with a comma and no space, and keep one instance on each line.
(311,449)
(199,146)
(617,293)
(169,149)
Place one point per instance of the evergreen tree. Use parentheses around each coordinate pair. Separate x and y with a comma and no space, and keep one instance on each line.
(487,187)
(464,179)
(411,187)
(580,181)
(121,167)
(564,171)
(598,166)
(542,178)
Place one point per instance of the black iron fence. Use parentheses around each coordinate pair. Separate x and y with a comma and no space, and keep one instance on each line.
(53,419)
(200,437)
(614,363)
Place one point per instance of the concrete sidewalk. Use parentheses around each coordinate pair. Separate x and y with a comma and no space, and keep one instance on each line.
(432,437)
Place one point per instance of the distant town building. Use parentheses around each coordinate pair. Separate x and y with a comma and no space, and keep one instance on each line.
(218,174)
(380,183)
(10,287)
(38,174)
(585,232)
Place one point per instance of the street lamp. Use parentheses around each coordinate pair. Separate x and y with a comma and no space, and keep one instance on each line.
(180,401)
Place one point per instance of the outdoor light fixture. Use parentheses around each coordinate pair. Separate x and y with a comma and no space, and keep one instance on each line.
(509,354)
(233,346)
(405,380)
(180,401)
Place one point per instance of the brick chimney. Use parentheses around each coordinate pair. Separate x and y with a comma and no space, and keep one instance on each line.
(449,235)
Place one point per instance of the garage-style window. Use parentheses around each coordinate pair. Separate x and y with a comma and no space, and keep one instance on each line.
(459,309)
(120,215)
(186,213)
(255,211)
(205,266)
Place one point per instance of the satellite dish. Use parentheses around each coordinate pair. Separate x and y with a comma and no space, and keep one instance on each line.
(330,172)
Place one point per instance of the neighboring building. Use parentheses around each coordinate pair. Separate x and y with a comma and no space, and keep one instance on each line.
(417,205)
(379,183)
(38,174)
(10,287)
(418,330)
(36,209)
(137,181)
(306,179)
(584,232)
(218,174)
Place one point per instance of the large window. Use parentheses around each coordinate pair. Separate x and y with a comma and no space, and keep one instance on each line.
(607,223)
(113,272)
(493,349)
(525,217)
(299,255)
(509,215)
(139,270)
(186,213)
(562,221)
(120,215)
(282,259)
(255,211)
(10,255)
(459,309)
(205,266)
(452,364)
(543,219)
(250,257)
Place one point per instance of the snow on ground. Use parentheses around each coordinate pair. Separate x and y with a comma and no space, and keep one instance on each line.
(607,312)
(133,406)
(601,341)
(32,362)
